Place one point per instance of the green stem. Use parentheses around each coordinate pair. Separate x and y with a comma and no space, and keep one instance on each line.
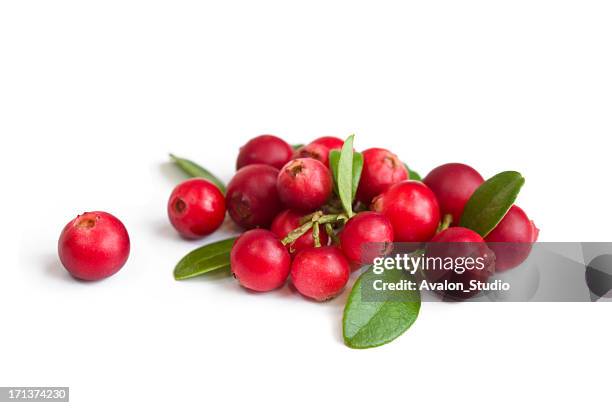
(332,234)
(316,218)
(447,220)
(296,233)
(315,234)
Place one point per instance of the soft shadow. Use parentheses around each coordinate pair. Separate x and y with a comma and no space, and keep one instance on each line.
(53,268)
(164,229)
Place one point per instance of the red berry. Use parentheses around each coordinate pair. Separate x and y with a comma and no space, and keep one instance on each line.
(259,261)
(381,170)
(471,259)
(319,149)
(265,149)
(453,185)
(94,245)
(304,184)
(366,236)
(412,209)
(511,239)
(196,208)
(287,221)
(331,142)
(320,273)
(252,199)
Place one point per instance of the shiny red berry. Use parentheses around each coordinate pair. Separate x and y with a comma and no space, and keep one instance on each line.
(511,239)
(366,236)
(196,208)
(304,184)
(94,245)
(458,255)
(259,261)
(319,149)
(412,209)
(287,221)
(265,149)
(252,199)
(453,185)
(381,170)
(320,273)
(331,142)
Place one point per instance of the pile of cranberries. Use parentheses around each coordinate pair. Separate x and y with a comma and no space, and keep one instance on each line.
(296,229)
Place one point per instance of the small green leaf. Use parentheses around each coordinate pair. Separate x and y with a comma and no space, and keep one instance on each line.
(372,323)
(208,258)
(195,170)
(345,176)
(357,167)
(297,146)
(491,201)
(412,175)
(334,158)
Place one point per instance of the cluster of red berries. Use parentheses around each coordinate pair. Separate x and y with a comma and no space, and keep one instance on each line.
(285,198)
(296,227)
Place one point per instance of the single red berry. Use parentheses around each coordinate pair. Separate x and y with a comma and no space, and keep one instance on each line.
(319,149)
(366,236)
(196,208)
(453,185)
(94,245)
(458,255)
(287,221)
(320,273)
(259,261)
(251,198)
(412,209)
(265,149)
(511,239)
(381,170)
(304,184)
(331,142)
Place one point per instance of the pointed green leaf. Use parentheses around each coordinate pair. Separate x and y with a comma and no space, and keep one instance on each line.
(345,176)
(368,323)
(193,169)
(208,258)
(491,201)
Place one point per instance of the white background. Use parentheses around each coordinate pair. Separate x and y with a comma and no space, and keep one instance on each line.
(93,95)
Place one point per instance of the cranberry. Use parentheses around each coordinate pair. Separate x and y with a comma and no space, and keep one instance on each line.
(287,221)
(331,142)
(412,209)
(381,169)
(304,184)
(259,260)
(319,149)
(320,273)
(196,208)
(453,185)
(252,199)
(511,239)
(265,149)
(366,236)
(94,246)
(471,260)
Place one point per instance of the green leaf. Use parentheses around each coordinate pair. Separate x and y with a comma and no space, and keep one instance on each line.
(412,175)
(491,201)
(345,176)
(334,158)
(208,258)
(357,167)
(195,170)
(373,322)
(297,146)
